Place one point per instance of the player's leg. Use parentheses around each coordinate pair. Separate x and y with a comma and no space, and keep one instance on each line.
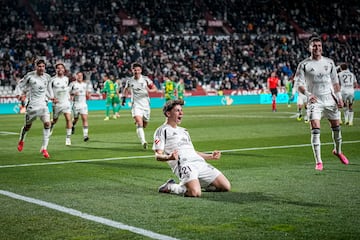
(140,129)
(107,108)
(193,188)
(170,186)
(45,118)
(351,114)
(29,118)
(336,135)
(141,118)
(315,117)
(84,118)
(67,116)
(220,184)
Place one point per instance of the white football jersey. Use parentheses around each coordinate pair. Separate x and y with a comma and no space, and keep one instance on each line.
(79,89)
(139,91)
(60,88)
(347,81)
(317,76)
(36,89)
(168,139)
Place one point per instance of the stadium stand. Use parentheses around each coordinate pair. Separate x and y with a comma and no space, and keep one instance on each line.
(214,44)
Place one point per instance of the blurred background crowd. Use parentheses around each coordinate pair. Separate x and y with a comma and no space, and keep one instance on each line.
(229,44)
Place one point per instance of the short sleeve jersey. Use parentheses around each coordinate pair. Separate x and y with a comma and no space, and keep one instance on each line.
(317,76)
(347,81)
(60,88)
(81,88)
(139,93)
(168,139)
(36,88)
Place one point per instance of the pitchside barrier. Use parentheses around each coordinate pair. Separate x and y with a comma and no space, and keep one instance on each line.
(10,105)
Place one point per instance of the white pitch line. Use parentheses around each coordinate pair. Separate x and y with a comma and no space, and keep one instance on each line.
(86,216)
(151,156)
(8,133)
(73,161)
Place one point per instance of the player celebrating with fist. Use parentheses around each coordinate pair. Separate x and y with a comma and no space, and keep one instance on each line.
(172,144)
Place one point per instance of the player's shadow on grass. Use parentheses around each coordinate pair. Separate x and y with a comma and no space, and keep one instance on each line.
(253,197)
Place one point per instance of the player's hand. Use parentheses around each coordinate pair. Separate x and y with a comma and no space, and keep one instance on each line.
(216,154)
(21,98)
(174,155)
(340,103)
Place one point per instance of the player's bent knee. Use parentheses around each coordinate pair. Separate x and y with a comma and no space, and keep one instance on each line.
(193,193)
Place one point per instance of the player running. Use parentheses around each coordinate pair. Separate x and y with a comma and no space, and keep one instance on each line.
(35,86)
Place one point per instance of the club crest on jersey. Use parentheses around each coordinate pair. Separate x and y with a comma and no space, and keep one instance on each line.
(326,68)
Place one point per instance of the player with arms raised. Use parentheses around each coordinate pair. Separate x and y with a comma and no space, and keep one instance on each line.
(172,144)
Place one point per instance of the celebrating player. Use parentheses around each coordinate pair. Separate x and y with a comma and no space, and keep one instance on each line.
(35,87)
(79,91)
(316,77)
(172,144)
(139,86)
(61,103)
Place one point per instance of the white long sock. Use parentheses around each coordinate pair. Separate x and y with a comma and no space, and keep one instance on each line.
(68,132)
(316,144)
(351,117)
(337,138)
(140,133)
(177,188)
(46,136)
(346,116)
(85,131)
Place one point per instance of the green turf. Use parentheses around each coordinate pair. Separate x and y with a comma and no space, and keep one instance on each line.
(276,193)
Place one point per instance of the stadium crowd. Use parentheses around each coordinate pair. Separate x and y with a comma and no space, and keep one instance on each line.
(172,38)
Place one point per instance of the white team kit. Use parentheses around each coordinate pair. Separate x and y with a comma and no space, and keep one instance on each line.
(347,81)
(318,77)
(190,164)
(37,89)
(79,90)
(61,91)
(139,96)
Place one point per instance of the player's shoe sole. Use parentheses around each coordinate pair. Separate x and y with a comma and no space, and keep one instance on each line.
(341,156)
(20,146)
(165,188)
